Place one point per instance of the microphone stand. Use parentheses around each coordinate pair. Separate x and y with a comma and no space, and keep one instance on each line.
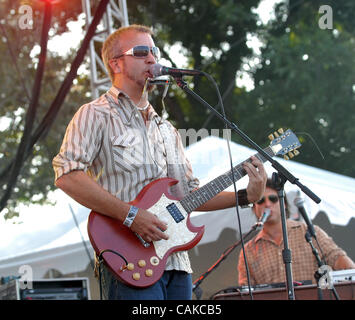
(283,172)
(195,286)
(279,182)
(320,263)
(317,276)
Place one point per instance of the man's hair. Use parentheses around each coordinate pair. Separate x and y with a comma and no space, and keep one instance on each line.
(111,47)
(271,184)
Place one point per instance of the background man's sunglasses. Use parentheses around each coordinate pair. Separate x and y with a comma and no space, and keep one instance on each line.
(272,198)
(141,52)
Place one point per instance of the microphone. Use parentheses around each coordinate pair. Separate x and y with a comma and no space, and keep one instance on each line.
(299,204)
(263,218)
(158,70)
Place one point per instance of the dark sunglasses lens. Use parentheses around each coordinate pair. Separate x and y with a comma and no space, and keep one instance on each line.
(272,198)
(140,51)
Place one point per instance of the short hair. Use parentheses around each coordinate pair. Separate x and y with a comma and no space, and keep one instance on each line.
(111,46)
(270,183)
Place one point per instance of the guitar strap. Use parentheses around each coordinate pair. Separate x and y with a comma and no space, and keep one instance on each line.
(175,160)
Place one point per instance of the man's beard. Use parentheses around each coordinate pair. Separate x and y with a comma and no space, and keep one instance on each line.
(139,82)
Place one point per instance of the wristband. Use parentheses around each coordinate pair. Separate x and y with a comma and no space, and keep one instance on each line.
(130,216)
(243,199)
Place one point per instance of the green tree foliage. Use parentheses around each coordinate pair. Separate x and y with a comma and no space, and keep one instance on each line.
(305,81)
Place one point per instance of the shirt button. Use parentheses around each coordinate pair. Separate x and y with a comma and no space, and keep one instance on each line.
(137,115)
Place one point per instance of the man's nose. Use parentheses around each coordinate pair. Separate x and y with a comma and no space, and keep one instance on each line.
(268,203)
(150,58)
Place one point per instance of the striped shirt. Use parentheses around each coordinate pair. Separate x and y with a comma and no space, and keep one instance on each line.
(265,260)
(109,140)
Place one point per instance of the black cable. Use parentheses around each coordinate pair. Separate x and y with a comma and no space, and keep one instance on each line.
(223,256)
(82,238)
(100,260)
(321,251)
(234,183)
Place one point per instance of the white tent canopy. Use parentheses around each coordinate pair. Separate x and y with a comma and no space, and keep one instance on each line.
(48,237)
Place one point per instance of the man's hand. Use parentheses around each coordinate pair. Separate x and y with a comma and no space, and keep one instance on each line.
(257,179)
(148,226)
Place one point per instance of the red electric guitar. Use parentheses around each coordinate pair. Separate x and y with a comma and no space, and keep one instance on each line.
(141,264)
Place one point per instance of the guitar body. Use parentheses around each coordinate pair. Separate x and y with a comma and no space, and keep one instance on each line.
(145,264)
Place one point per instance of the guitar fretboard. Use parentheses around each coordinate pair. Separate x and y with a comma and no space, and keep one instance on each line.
(200,196)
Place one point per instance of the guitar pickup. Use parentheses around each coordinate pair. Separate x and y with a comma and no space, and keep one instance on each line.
(175,212)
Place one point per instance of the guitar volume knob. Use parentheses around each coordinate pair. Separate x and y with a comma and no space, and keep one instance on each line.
(130,266)
(141,263)
(154,260)
(149,272)
(136,276)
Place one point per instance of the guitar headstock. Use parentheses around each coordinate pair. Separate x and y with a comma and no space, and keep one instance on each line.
(284,143)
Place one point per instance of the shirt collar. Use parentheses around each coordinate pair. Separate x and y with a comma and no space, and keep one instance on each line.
(291,225)
(261,235)
(127,105)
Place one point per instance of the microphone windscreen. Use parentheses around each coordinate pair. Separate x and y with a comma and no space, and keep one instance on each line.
(155,70)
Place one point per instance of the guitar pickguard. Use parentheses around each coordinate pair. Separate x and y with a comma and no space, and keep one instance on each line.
(178,233)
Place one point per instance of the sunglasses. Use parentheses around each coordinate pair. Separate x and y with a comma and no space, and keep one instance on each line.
(141,52)
(273,198)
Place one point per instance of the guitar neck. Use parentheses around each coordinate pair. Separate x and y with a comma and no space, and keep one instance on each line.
(200,196)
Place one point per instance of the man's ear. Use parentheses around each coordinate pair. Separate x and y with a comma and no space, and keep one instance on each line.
(115,65)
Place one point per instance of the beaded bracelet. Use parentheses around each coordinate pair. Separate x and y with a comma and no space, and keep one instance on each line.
(130,216)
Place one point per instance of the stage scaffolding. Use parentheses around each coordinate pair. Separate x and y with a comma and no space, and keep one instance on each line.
(116,11)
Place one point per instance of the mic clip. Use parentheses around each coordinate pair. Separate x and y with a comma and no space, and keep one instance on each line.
(263,219)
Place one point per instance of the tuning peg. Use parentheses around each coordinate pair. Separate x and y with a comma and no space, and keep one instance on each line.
(281,131)
(296,152)
(290,154)
(271,137)
(286,157)
(276,134)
